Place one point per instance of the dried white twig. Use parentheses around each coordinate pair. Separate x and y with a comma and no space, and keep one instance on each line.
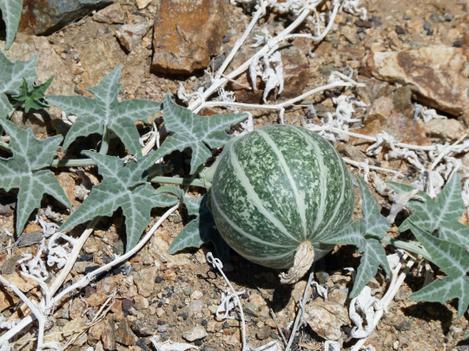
(218,265)
(301,310)
(366,311)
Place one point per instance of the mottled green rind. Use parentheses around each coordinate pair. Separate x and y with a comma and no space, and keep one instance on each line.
(277,187)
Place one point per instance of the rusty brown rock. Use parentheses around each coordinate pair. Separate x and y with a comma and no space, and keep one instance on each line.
(392,112)
(125,335)
(46,16)
(437,74)
(108,336)
(186,34)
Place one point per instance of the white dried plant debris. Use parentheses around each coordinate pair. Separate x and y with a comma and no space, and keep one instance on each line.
(225,95)
(382,140)
(227,305)
(268,67)
(7,324)
(48,228)
(57,251)
(271,346)
(5,346)
(361,311)
(341,119)
(170,346)
(247,126)
(330,345)
(34,266)
(426,114)
(81,192)
(68,119)
(353,7)
(281,7)
(321,290)
(232,295)
(49,214)
(465,195)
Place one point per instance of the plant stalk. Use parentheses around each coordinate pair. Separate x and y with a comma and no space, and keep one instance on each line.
(411,246)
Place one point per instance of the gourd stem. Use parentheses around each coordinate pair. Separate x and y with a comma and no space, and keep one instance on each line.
(304,258)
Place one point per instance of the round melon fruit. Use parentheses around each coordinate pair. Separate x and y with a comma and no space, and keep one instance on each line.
(276,193)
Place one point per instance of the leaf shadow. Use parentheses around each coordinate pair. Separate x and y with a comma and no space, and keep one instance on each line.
(431,311)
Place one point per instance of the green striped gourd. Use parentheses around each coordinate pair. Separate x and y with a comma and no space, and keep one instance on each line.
(276,192)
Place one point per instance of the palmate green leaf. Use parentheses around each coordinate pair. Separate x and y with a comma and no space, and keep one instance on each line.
(373,254)
(453,260)
(12,75)
(366,234)
(105,113)
(199,230)
(441,214)
(25,171)
(11,14)
(189,130)
(123,186)
(376,224)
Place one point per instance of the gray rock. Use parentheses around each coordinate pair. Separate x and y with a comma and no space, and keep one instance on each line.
(196,333)
(47,16)
(450,129)
(442,86)
(195,307)
(130,35)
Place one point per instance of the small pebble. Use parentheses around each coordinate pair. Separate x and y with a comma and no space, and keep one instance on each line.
(427,27)
(196,333)
(263,333)
(399,30)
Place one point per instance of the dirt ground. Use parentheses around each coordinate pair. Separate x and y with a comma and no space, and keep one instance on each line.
(159,294)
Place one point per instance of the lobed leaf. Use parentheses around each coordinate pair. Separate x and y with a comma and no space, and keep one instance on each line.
(124,186)
(105,113)
(189,130)
(25,171)
(199,230)
(441,214)
(11,14)
(453,260)
(365,234)
(373,254)
(375,224)
(12,76)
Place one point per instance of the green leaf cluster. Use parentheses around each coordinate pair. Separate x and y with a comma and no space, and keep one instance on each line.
(32,97)
(127,184)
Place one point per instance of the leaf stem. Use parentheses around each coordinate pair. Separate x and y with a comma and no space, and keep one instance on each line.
(179,181)
(105,142)
(412,246)
(83,162)
(65,163)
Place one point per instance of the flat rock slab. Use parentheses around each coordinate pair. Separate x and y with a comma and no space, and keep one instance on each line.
(186,34)
(437,74)
(47,16)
